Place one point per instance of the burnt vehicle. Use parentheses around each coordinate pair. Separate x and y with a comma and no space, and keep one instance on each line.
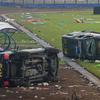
(84,45)
(25,66)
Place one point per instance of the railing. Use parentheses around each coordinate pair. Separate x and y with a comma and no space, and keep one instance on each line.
(70,5)
(51,1)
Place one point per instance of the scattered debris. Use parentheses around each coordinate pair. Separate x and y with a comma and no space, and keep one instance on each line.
(8,20)
(79,21)
(73,60)
(9,91)
(90,84)
(3,95)
(83,90)
(51,94)
(45,88)
(62,93)
(69,67)
(71,86)
(35,96)
(38,88)
(20,97)
(16,92)
(24,88)
(97,61)
(31,88)
(58,86)
(39,84)
(42,98)
(45,84)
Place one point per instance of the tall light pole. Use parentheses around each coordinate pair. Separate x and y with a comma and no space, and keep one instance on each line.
(43,1)
(75,1)
(54,1)
(33,1)
(64,1)
(13,1)
(98,1)
(23,2)
(87,1)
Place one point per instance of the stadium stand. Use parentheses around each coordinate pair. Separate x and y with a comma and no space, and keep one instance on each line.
(97,10)
(51,3)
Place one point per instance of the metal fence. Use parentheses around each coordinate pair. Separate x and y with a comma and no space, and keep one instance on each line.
(50,3)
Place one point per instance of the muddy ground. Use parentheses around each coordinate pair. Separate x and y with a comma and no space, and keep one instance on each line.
(70,86)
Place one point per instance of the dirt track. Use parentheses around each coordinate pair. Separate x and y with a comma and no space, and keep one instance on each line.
(70,82)
(17,10)
(36,10)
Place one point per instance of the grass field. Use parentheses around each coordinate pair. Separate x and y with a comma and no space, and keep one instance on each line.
(23,41)
(51,27)
(56,24)
(94,68)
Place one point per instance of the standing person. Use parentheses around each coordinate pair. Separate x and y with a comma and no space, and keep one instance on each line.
(6,70)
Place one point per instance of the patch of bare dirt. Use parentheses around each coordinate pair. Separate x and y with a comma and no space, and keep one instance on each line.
(70,86)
